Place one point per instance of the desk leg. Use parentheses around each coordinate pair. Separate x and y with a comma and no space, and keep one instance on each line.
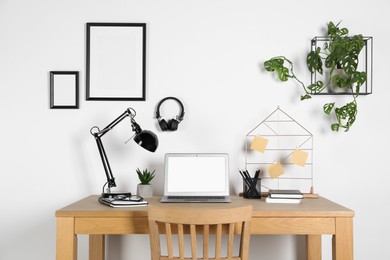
(343,239)
(96,247)
(314,247)
(66,240)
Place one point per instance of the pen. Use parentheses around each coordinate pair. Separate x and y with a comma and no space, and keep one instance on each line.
(245,178)
(256,179)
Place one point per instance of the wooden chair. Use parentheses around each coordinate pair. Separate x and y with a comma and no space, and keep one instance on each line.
(174,219)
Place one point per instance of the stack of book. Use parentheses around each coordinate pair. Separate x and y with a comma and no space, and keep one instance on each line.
(284,196)
(122,203)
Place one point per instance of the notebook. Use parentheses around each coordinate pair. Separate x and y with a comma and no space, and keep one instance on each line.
(196,177)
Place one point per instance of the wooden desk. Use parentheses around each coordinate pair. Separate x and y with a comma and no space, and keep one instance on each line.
(313,217)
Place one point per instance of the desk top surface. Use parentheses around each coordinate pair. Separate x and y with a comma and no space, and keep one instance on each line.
(319,207)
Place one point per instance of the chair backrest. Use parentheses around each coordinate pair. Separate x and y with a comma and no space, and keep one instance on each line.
(169,220)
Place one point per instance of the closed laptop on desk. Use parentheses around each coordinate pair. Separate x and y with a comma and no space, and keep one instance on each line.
(197,177)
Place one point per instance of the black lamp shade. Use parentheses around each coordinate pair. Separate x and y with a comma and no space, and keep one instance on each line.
(147,139)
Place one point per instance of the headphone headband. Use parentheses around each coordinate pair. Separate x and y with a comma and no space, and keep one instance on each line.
(178,117)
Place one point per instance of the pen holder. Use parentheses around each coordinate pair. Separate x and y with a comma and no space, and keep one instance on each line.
(254,190)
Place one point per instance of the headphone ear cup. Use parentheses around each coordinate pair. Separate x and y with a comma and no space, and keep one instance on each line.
(163,125)
(173,124)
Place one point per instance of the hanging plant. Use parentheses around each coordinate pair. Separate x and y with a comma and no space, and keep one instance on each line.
(340,58)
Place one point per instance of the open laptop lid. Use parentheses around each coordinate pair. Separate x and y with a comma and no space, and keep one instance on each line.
(196,174)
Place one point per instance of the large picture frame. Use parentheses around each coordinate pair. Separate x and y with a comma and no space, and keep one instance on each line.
(116,61)
(64,89)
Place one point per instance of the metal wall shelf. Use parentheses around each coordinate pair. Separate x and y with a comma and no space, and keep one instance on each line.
(365,65)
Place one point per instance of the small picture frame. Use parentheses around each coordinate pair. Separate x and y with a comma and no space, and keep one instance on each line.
(116,61)
(64,89)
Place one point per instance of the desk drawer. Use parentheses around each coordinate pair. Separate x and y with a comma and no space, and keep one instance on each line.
(111,226)
(293,226)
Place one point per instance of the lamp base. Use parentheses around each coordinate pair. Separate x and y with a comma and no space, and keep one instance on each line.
(115,194)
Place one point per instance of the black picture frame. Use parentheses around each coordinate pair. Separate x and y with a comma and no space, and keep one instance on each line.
(116,61)
(64,89)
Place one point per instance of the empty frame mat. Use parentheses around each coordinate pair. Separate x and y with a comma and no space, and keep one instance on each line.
(116,61)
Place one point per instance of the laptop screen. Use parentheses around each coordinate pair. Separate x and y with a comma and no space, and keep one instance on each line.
(196,174)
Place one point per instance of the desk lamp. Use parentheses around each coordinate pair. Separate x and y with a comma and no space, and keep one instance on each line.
(145,138)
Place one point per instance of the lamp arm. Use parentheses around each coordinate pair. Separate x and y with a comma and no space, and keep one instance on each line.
(106,165)
(99,133)
(129,112)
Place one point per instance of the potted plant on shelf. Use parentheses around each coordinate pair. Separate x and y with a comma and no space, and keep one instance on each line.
(144,189)
(339,58)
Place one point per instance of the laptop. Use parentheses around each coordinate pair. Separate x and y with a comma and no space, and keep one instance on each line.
(196,177)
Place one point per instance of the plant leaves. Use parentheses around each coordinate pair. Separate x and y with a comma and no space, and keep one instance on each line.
(332,29)
(341,82)
(283,73)
(145,176)
(349,63)
(328,108)
(331,60)
(277,64)
(359,77)
(273,64)
(347,112)
(314,62)
(343,31)
(307,96)
(335,127)
(316,87)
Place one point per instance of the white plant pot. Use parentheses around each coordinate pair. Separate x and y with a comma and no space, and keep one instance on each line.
(144,190)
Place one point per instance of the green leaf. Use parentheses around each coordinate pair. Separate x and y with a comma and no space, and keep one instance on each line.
(314,62)
(343,31)
(341,82)
(331,61)
(307,96)
(356,43)
(335,127)
(349,63)
(328,108)
(145,176)
(273,64)
(332,29)
(347,112)
(359,77)
(316,87)
(276,64)
(283,73)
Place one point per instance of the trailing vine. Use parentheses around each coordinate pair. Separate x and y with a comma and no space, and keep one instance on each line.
(340,53)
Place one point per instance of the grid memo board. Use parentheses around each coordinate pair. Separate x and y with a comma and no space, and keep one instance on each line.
(284,139)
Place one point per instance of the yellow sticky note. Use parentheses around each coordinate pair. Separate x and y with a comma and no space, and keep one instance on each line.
(299,157)
(275,170)
(259,144)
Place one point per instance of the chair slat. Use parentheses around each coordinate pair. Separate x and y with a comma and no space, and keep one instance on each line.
(230,240)
(245,237)
(206,231)
(181,240)
(193,241)
(168,232)
(218,240)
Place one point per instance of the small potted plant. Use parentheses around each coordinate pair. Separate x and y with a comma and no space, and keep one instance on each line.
(144,188)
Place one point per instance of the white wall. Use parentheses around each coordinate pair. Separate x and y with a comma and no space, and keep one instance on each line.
(209,54)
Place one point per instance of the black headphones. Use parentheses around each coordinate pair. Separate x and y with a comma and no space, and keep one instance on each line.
(172,124)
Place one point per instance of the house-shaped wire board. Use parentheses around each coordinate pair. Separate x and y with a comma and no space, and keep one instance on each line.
(284,135)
